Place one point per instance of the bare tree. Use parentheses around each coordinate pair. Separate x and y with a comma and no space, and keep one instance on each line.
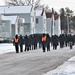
(69,12)
(36,3)
(14,2)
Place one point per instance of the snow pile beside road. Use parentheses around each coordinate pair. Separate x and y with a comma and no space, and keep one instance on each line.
(68,68)
(6,47)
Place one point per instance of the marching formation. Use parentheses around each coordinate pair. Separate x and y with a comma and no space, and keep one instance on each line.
(44,41)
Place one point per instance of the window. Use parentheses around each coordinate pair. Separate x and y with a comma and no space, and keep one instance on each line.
(37,20)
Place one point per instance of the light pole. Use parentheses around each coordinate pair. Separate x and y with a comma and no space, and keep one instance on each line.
(0,25)
(71,22)
(52,26)
(67,24)
(21,29)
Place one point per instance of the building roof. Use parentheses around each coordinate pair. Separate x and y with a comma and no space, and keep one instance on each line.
(48,15)
(38,12)
(11,18)
(15,9)
(56,17)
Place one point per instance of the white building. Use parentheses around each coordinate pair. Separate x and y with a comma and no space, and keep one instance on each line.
(40,21)
(25,20)
(49,23)
(53,23)
(57,27)
(5,27)
(22,12)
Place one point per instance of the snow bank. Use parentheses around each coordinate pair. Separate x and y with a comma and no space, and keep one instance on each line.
(68,68)
(6,47)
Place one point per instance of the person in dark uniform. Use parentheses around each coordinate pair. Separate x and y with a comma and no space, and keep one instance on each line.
(55,42)
(21,43)
(66,40)
(43,42)
(61,40)
(70,38)
(48,42)
(16,43)
(26,40)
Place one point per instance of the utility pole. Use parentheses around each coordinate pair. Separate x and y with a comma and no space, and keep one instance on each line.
(52,27)
(16,25)
(33,19)
(67,23)
(0,25)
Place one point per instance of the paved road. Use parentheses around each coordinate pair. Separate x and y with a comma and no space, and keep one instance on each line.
(33,62)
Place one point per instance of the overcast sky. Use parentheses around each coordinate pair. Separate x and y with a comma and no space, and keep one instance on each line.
(1,2)
(56,4)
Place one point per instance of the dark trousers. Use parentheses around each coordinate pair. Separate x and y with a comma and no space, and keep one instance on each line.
(21,48)
(70,45)
(54,47)
(17,48)
(26,47)
(48,47)
(43,47)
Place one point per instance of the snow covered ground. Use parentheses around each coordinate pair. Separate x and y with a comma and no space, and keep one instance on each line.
(5,47)
(68,68)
